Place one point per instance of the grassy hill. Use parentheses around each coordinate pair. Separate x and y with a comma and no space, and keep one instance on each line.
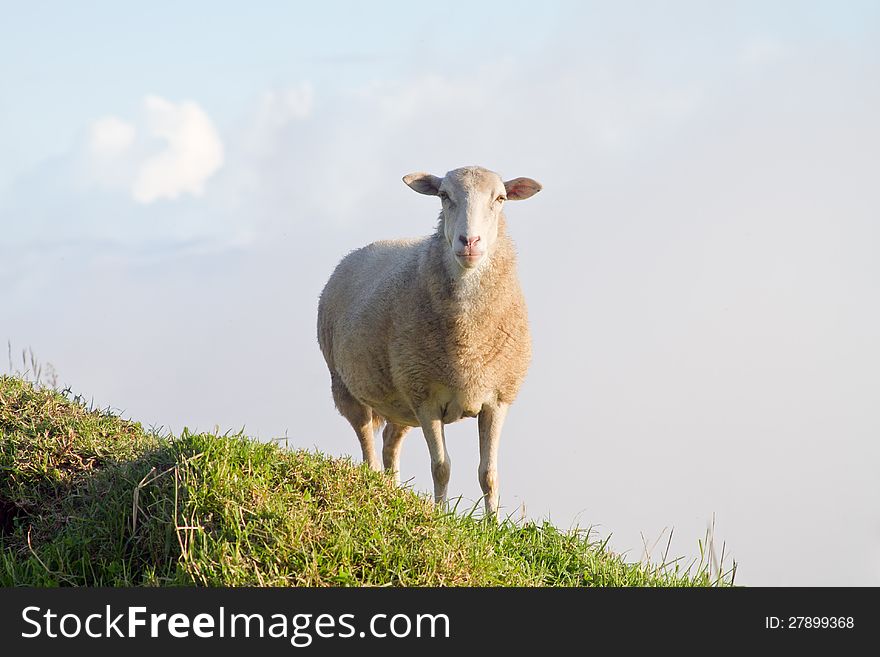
(88,498)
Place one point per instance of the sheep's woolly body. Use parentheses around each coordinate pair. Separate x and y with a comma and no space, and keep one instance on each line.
(403,329)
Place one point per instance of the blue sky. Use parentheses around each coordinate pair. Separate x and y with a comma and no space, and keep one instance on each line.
(102,57)
(177,182)
(94,58)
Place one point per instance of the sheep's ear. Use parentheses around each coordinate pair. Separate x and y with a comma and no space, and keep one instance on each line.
(423,183)
(519,189)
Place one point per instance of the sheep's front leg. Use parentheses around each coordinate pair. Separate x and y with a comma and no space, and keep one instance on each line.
(490,421)
(432,427)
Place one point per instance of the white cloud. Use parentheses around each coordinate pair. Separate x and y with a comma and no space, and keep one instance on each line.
(172,151)
(280,107)
(110,137)
(108,159)
(275,111)
(193,151)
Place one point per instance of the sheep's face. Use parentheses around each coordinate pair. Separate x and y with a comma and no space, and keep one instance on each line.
(472,199)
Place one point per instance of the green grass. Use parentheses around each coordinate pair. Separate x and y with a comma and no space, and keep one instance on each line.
(90,499)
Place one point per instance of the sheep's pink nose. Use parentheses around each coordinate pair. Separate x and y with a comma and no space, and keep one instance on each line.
(468,241)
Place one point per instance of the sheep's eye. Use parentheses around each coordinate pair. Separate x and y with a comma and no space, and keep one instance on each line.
(443,196)
(500,198)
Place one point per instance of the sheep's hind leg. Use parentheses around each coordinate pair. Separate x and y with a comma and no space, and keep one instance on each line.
(360,417)
(440,464)
(392,439)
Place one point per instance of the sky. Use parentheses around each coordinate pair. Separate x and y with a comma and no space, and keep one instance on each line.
(178,180)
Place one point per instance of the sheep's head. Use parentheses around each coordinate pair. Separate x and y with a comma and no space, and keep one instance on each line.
(472,200)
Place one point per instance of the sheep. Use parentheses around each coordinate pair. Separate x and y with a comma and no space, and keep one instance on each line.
(428,331)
